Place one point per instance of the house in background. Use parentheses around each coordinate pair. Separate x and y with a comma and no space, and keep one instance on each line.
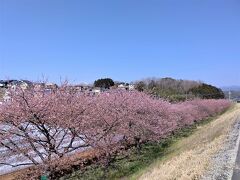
(5,85)
(2,84)
(96,91)
(38,86)
(51,86)
(6,97)
(24,84)
(131,87)
(126,86)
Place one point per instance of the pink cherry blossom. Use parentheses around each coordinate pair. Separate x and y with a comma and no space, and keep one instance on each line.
(37,126)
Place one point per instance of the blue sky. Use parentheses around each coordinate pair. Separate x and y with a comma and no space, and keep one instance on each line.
(122,39)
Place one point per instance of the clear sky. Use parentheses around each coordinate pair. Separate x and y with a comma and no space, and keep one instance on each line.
(123,39)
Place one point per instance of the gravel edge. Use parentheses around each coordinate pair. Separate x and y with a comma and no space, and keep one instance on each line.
(222,164)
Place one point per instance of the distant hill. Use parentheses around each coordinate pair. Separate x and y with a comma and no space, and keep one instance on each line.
(178,89)
(235,92)
(231,88)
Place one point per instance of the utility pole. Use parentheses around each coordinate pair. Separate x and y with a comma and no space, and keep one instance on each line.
(229,95)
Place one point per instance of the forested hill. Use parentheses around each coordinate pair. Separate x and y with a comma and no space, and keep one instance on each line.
(178,90)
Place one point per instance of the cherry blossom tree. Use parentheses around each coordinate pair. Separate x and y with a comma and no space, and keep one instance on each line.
(38,126)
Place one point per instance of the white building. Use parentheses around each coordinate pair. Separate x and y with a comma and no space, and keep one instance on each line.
(128,87)
(96,90)
(6,97)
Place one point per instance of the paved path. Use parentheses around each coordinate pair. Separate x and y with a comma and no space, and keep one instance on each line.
(236,171)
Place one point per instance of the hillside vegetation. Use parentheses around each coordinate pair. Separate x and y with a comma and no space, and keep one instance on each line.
(178,90)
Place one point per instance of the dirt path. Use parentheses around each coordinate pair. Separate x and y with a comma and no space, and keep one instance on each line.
(236,171)
(194,156)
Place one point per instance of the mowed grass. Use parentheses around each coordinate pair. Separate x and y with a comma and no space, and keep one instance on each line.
(135,165)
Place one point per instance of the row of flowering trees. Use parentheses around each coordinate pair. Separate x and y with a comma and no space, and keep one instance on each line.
(39,127)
